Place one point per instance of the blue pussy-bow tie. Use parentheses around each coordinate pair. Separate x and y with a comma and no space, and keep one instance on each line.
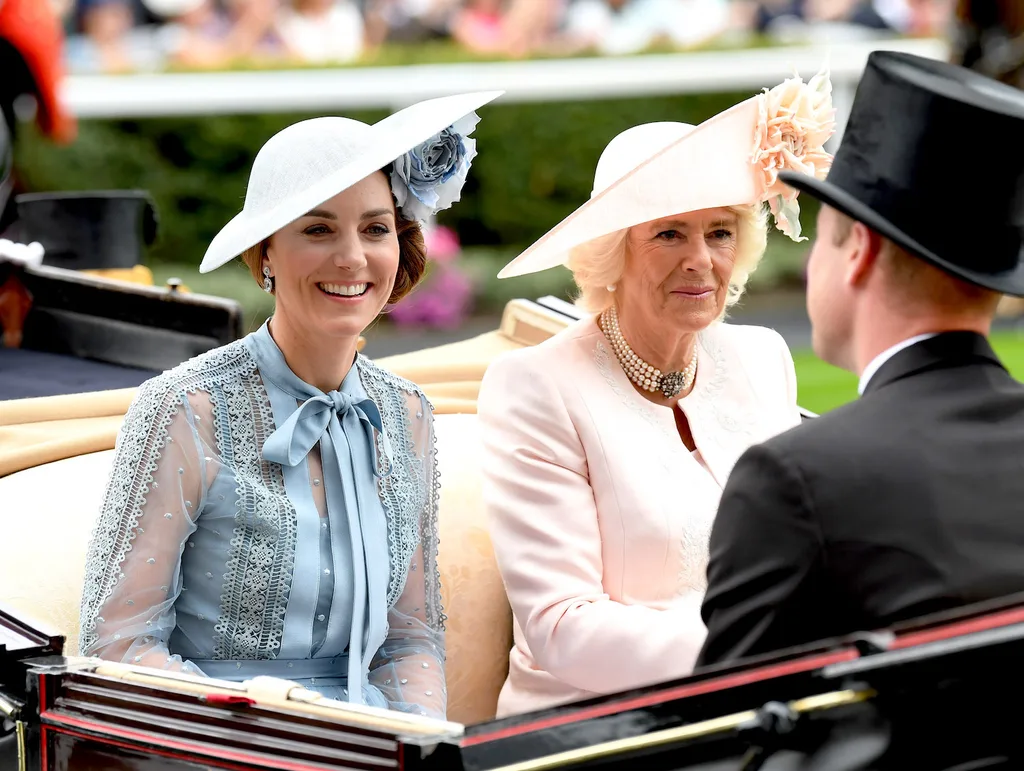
(343,424)
(293,440)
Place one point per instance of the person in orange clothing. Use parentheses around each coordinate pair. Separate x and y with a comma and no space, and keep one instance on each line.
(32,51)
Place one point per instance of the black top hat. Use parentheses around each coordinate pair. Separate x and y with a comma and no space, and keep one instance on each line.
(933,159)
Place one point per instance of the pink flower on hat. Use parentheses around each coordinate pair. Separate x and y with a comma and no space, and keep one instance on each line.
(795,119)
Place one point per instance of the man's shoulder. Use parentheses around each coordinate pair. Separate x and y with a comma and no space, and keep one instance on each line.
(852,428)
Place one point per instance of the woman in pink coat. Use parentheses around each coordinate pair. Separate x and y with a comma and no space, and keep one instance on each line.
(607,446)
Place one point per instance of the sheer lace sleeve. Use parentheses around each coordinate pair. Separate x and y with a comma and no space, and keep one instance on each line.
(409,667)
(153,496)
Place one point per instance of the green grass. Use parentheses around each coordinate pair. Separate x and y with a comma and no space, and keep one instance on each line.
(823,387)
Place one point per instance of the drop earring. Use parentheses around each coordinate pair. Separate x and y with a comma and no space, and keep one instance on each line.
(610,287)
(268,282)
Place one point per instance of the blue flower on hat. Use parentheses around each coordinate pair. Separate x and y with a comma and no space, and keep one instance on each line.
(429,178)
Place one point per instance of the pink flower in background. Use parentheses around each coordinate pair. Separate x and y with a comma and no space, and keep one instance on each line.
(442,245)
(445,297)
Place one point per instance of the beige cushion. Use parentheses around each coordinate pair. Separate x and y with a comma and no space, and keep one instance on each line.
(479,618)
(49,510)
(47,521)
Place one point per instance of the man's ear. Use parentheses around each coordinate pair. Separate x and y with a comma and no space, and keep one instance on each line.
(865,245)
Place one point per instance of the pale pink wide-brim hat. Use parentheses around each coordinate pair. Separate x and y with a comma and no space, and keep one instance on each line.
(663,169)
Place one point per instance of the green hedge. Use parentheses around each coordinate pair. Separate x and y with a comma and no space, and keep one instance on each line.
(535,165)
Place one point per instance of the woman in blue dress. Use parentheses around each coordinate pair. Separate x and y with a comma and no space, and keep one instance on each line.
(272,504)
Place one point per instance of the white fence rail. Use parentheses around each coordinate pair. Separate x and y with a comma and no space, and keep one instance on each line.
(219,93)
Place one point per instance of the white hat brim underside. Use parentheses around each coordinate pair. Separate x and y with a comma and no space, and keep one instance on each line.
(389,139)
(707,168)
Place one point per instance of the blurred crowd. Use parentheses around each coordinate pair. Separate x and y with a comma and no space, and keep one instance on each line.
(140,35)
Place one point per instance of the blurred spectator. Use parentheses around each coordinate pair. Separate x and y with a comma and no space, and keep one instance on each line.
(195,32)
(109,40)
(989,37)
(630,26)
(804,20)
(121,35)
(478,26)
(512,28)
(254,32)
(407,21)
(320,31)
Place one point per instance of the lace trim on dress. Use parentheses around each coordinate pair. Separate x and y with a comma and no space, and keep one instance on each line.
(409,490)
(144,433)
(258,574)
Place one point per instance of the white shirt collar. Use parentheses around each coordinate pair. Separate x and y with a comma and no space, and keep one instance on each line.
(884,356)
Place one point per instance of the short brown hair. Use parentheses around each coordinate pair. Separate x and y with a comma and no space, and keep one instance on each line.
(412,258)
(913,280)
(843,228)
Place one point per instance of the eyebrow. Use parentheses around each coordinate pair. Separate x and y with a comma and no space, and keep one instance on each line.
(327,215)
(722,222)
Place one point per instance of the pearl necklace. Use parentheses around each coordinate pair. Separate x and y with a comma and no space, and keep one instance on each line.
(639,371)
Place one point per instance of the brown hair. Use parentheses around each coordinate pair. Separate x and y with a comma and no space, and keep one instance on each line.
(412,258)
(914,281)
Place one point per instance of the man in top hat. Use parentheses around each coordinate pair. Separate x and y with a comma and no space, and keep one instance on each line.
(909,500)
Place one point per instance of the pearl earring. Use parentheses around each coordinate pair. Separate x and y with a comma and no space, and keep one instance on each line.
(268,282)
(610,287)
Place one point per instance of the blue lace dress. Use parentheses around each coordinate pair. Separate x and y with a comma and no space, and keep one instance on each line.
(254,525)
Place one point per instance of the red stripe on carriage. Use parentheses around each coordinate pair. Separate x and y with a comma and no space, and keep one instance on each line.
(59,721)
(671,694)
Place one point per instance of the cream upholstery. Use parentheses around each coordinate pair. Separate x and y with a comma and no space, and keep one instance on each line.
(47,517)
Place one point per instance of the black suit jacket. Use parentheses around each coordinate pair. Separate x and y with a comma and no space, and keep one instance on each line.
(908,501)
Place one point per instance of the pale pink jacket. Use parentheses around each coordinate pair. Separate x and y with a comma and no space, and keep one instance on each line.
(600,516)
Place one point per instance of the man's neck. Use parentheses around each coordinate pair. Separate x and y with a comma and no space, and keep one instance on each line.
(881,338)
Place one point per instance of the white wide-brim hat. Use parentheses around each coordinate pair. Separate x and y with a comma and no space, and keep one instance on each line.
(314,160)
(658,170)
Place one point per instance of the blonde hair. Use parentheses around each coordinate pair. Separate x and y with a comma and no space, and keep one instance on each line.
(599,263)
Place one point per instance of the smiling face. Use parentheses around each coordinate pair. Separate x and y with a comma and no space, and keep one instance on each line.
(334,269)
(676,278)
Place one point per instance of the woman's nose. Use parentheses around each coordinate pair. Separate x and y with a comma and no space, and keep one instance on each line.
(348,252)
(698,259)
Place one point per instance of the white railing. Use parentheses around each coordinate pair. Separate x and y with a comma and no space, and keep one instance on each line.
(218,93)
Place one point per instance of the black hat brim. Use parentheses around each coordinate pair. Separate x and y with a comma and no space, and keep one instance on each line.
(1008,282)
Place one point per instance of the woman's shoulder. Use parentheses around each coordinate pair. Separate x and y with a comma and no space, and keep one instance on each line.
(371,373)
(538,376)
(746,339)
(216,366)
(554,355)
